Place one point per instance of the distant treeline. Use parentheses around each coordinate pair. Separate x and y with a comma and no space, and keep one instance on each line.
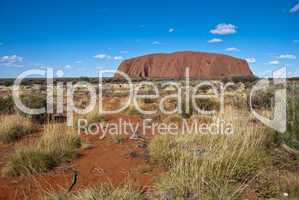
(95,80)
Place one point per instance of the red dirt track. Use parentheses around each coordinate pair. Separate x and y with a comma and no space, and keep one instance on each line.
(104,162)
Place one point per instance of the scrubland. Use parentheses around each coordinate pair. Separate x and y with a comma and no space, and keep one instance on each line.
(254,162)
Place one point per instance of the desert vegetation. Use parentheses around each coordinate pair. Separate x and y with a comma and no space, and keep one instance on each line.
(254,162)
(13,127)
(57,144)
(6,105)
(209,166)
(126,192)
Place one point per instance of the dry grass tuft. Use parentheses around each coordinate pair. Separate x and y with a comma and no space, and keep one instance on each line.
(14,127)
(28,160)
(95,117)
(60,141)
(126,192)
(57,144)
(209,166)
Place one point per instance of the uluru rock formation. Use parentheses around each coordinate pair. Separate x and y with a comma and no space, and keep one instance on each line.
(173,65)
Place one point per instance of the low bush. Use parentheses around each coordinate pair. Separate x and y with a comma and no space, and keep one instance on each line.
(7,105)
(262,100)
(35,102)
(205,105)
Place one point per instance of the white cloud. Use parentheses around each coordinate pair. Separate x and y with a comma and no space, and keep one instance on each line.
(12,64)
(78,62)
(215,40)
(171,30)
(118,58)
(102,56)
(274,62)
(295,8)
(108,57)
(156,43)
(250,60)
(67,67)
(11,59)
(287,56)
(224,29)
(231,49)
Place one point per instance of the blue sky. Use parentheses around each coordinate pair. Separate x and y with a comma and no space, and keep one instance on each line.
(83,36)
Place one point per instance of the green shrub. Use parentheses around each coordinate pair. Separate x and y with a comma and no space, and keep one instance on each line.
(262,99)
(7,105)
(35,102)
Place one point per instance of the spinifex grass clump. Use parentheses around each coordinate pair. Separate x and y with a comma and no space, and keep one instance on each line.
(100,192)
(209,166)
(14,127)
(57,144)
(94,117)
(28,160)
(60,141)
(126,192)
(292,136)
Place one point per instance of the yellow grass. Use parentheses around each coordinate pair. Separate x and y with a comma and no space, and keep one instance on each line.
(57,144)
(13,127)
(210,166)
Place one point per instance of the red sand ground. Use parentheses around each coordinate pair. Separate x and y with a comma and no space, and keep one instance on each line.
(105,162)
